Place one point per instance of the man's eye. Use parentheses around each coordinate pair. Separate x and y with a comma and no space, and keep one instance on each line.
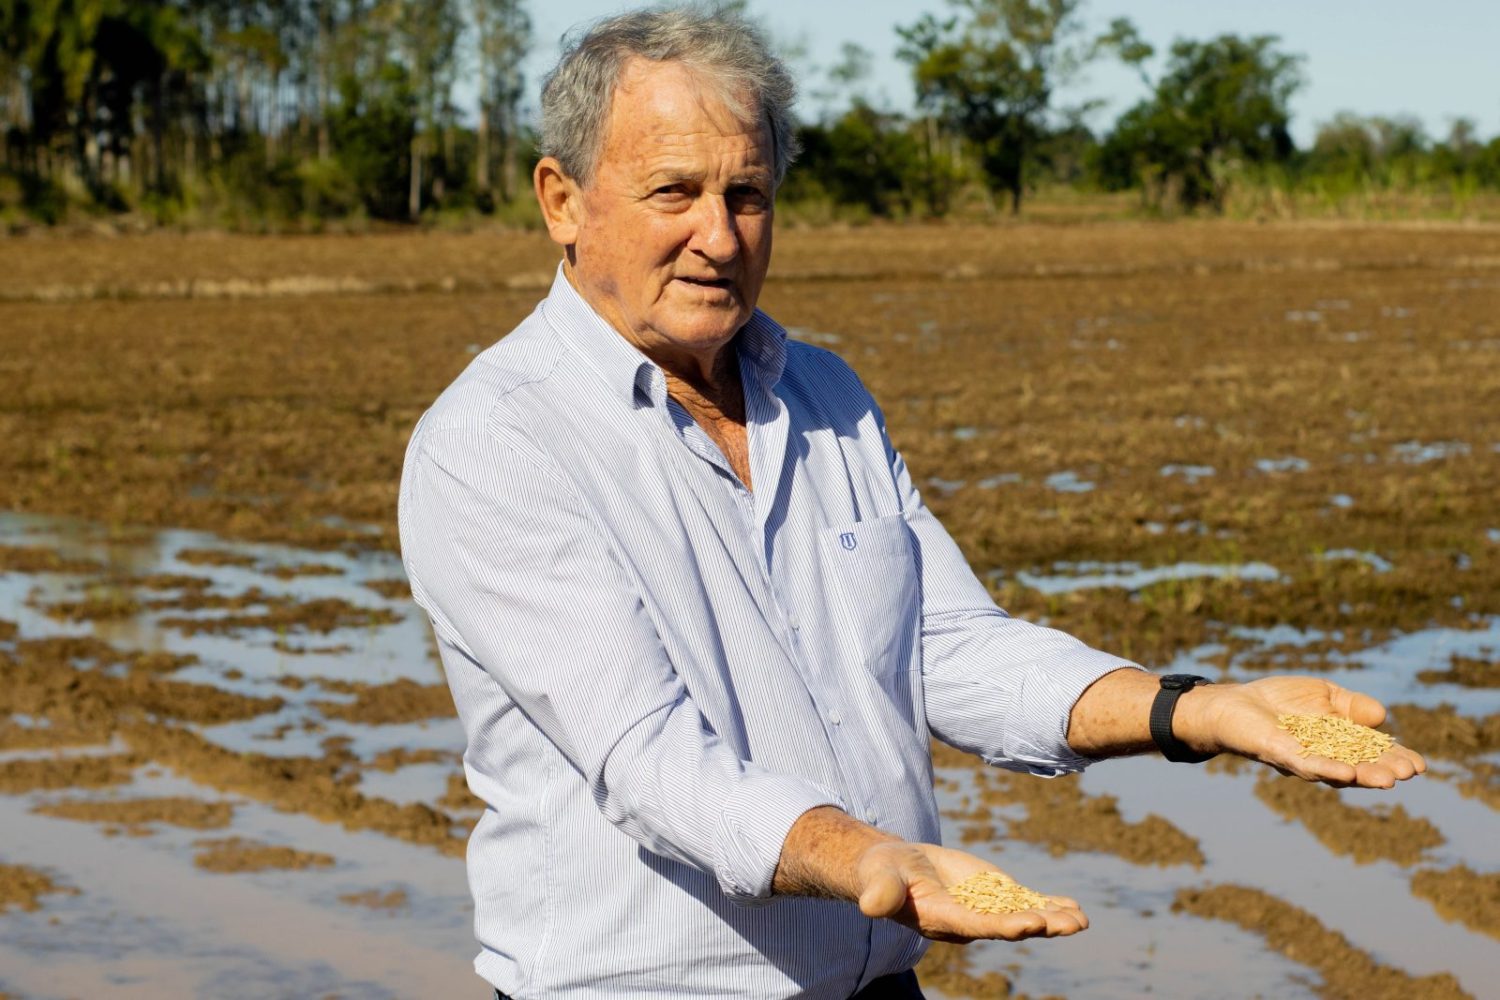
(670,191)
(747,198)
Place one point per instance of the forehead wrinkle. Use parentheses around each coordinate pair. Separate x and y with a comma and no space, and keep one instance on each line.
(681,156)
(648,98)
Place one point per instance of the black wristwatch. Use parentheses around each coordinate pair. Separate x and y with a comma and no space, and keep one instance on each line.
(1174,686)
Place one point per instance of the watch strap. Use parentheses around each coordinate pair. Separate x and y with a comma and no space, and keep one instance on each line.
(1163,707)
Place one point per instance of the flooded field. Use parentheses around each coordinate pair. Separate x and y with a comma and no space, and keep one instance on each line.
(229,765)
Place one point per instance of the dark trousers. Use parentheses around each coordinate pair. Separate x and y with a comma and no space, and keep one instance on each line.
(901,986)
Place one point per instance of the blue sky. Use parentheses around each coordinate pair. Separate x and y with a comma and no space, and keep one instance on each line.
(1435,61)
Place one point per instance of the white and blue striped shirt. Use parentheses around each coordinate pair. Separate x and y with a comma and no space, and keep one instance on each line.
(659,671)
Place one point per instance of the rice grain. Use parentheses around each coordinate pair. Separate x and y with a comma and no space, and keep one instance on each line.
(1336,738)
(992,892)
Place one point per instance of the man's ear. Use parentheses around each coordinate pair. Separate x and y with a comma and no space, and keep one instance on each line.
(561,199)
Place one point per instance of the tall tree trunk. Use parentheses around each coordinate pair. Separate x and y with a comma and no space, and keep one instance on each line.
(1018,177)
(273,123)
(323,56)
(414,191)
(482,152)
(158,127)
(508,165)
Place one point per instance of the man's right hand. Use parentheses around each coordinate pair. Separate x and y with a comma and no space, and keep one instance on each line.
(830,854)
(908,883)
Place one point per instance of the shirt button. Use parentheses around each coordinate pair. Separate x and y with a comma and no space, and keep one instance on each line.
(794,622)
(835,718)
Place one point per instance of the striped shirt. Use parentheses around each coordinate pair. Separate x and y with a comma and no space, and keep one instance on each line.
(658,670)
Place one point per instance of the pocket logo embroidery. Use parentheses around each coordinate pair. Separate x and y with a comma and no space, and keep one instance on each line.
(848,541)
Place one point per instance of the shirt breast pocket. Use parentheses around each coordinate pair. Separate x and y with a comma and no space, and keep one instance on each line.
(872,574)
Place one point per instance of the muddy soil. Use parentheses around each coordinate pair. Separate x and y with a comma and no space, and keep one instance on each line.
(392,589)
(43,683)
(32,559)
(1356,351)
(1062,818)
(214,557)
(1333,390)
(1346,971)
(21,887)
(947,967)
(46,774)
(192,814)
(398,757)
(374,899)
(318,787)
(1465,671)
(1365,834)
(396,702)
(233,854)
(1462,894)
(1443,732)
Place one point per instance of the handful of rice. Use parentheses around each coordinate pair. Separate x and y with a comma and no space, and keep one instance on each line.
(1336,738)
(992,892)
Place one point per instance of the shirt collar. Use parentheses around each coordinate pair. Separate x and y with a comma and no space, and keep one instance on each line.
(761,346)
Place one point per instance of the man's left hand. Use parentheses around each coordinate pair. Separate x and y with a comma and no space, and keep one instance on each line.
(1242,719)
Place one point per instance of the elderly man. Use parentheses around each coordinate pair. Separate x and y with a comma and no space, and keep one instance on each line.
(698,623)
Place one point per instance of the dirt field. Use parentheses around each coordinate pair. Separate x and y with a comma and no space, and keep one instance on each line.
(1220,447)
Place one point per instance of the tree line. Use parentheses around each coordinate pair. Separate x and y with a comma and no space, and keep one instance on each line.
(253,112)
(281,108)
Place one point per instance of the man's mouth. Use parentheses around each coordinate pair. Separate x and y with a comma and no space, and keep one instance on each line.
(707,282)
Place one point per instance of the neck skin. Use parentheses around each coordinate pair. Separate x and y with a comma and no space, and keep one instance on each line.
(707,383)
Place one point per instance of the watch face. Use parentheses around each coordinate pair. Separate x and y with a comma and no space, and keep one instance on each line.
(1182,682)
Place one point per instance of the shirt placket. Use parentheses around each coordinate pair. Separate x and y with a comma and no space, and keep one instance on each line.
(768,427)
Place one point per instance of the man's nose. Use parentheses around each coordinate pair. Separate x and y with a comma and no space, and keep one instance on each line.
(715,235)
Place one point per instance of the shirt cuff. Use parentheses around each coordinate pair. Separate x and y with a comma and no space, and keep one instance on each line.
(753,828)
(1049,693)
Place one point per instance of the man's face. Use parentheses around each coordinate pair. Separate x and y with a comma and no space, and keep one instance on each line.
(674,236)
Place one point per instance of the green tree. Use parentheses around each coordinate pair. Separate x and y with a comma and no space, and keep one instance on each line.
(503,36)
(426,34)
(866,157)
(990,74)
(1219,105)
(1370,149)
(373,127)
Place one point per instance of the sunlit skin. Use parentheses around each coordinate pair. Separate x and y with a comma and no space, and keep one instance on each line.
(669,242)
(1239,719)
(670,239)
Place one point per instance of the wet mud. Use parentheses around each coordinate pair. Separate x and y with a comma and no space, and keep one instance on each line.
(136,814)
(374,899)
(396,702)
(947,967)
(232,854)
(34,559)
(1465,671)
(391,589)
(1061,817)
(50,773)
(1462,894)
(1443,732)
(1346,971)
(319,787)
(1300,476)
(45,684)
(398,757)
(1365,834)
(21,887)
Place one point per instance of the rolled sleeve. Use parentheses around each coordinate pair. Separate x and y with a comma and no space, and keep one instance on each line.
(512,570)
(753,827)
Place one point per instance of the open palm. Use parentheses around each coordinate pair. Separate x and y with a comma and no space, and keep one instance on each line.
(908,883)
(1243,720)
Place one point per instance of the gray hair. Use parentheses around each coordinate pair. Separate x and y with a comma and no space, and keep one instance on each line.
(729,55)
